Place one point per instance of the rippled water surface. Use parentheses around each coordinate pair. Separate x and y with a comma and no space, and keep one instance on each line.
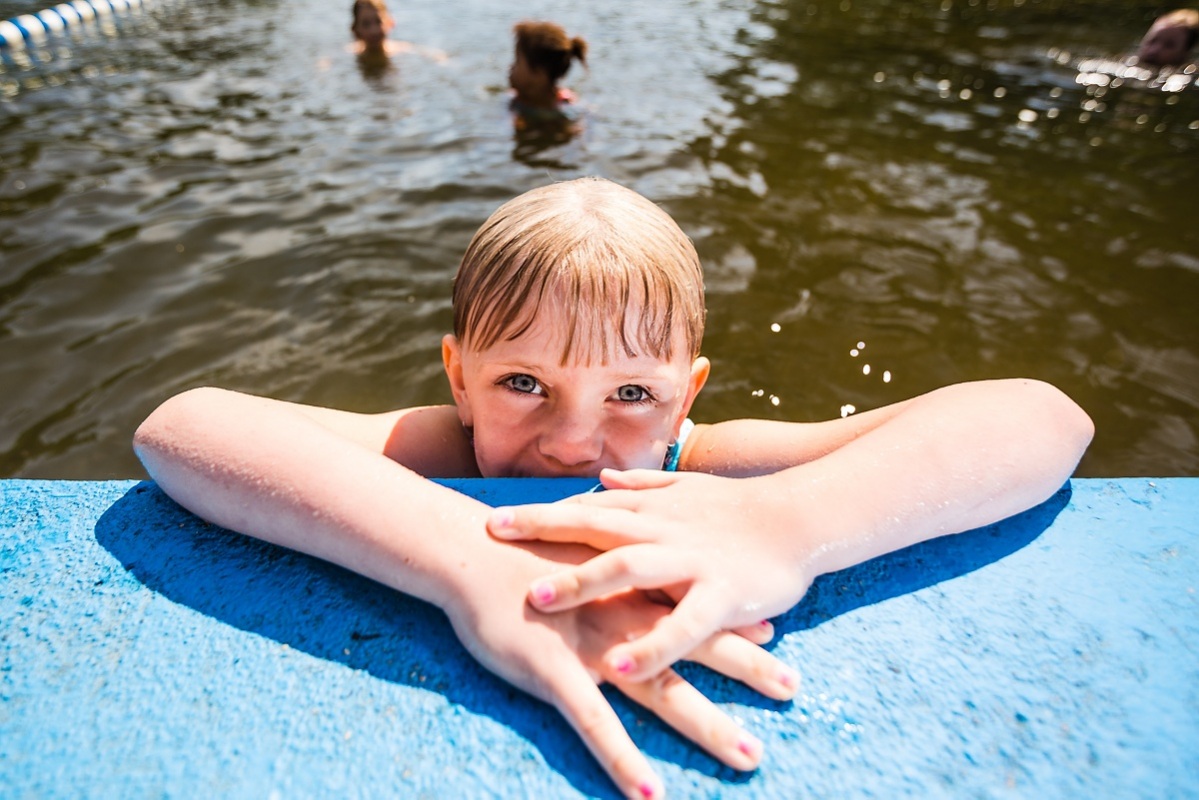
(217,192)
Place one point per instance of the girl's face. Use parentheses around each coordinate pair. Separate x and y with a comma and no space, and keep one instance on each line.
(371,27)
(1164,47)
(535,417)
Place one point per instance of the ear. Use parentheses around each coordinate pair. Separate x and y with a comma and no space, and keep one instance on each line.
(451,357)
(700,369)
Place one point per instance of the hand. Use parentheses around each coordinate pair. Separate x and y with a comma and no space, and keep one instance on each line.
(559,659)
(715,545)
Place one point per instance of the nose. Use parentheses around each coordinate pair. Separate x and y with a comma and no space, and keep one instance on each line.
(572,438)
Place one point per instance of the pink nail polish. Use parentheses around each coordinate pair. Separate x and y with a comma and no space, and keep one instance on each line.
(786,679)
(747,745)
(647,790)
(543,593)
(503,518)
(764,623)
(623,664)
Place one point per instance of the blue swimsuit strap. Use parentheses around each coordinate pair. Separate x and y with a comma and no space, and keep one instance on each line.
(671,464)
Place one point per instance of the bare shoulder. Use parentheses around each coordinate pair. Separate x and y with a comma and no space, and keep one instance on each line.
(429,440)
(432,442)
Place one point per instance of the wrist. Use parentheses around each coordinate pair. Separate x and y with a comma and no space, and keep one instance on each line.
(800,529)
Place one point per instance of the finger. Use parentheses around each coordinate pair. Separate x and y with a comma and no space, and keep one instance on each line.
(684,708)
(635,479)
(637,566)
(758,633)
(601,528)
(733,656)
(697,616)
(584,706)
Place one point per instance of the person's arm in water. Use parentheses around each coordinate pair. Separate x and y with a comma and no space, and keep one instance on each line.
(782,503)
(324,482)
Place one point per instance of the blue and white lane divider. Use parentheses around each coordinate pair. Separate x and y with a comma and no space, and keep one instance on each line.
(29,28)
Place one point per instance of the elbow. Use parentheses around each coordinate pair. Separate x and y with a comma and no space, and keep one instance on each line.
(1066,427)
(162,432)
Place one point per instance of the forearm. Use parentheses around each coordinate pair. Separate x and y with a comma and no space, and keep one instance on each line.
(952,460)
(246,464)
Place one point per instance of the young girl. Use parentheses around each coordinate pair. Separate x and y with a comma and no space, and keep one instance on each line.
(371,23)
(544,54)
(370,26)
(578,317)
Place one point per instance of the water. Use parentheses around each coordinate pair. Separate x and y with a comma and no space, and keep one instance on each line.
(214,192)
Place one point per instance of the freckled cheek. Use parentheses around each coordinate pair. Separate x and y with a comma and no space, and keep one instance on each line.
(636,444)
(502,437)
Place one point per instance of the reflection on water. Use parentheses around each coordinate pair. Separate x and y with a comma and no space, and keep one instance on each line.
(888,195)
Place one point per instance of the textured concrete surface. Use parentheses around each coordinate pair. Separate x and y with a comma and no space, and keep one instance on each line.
(145,653)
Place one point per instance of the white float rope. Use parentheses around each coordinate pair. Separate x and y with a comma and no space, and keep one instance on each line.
(27,28)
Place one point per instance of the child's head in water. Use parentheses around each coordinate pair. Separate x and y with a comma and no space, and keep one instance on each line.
(544,53)
(578,317)
(371,24)
(1170,39)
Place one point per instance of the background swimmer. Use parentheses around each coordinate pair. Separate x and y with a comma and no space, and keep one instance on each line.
(544,53)
(371,24)
(1169,40)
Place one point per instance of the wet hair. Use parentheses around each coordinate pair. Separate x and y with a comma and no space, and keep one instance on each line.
(546,47)
(618,268)
(378,5)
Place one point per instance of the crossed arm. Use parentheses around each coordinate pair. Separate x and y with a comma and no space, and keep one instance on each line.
(769,506)
(326,483)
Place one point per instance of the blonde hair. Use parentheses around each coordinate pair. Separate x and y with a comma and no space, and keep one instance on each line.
(1185,18)
(616,264)
(546,47)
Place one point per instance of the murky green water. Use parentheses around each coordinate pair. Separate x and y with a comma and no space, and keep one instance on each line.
(214,192)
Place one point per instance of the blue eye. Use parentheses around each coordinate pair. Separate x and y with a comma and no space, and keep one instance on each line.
(525,384)
(630,393)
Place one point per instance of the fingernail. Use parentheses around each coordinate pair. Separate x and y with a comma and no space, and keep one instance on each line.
(503,518)
(648,790)
(543,593)
(748,745)
(788,678)
(764,623)
(623,664)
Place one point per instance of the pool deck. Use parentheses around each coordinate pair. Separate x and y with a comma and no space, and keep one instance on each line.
(146,653)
